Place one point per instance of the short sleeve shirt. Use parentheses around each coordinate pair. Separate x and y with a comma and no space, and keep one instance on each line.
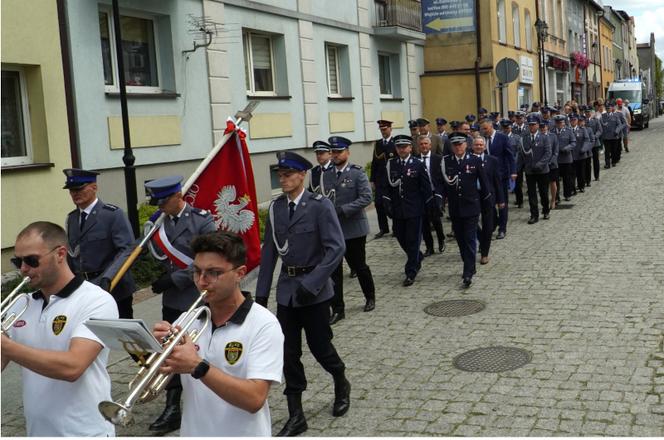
(249,346)
(58,408)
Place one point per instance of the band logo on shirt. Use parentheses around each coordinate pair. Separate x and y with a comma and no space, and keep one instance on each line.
(59,323)
(232,352)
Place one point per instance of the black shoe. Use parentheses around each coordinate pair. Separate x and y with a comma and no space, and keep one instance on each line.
(408,282)
(296,423)
(533,220)
(626,150)
(341,397)
(567,199)
(169,420)
(606,167)
(546,216)
(596,179)
(450,234)
(428,253)
(370,305)
(519,205)
(500,236)
(588,185)
(581,190)
(353,274)
(336,317)
(380,234)
(441,247)
(467,281)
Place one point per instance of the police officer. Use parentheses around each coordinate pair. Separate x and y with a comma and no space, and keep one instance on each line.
(98,234)
(182,224)
(516,142)
(414,133)
(466,190)
(303,229)
(347,186)
(586,152)
(578,154)
(534,157)
(436,140)
(554,175)
(407,195)
(612,128)
(594,125)
(324,159)
(566,145)
(432,216)
(519,127)
(383,151)
(447,146)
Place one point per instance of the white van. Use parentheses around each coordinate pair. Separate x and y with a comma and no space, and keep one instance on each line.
(634,91)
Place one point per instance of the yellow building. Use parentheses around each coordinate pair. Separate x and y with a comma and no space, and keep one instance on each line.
(35,135)
(458,78)
(607,62)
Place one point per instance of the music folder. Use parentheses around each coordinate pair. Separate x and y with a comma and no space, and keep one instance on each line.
(130,335)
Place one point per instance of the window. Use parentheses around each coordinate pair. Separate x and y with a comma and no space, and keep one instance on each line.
(385,75)
(139,53)
(16,140)
(516,25)
(258,60)
(528,25)
(559,19)
(524,97)
(501,22)
(332,59)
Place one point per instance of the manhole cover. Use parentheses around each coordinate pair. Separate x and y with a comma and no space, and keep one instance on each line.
(492,359)
(457,307)
(565,206)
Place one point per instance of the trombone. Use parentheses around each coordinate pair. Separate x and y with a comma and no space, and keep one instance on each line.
(8,319)
(148,382)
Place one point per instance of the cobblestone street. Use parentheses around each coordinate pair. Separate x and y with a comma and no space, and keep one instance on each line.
(583,292)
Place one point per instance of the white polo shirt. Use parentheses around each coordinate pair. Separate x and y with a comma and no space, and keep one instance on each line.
(57,408)
(249,346)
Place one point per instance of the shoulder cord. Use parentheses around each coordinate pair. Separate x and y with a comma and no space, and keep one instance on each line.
(394,183)
(282,250)
(331,194)
(450,181)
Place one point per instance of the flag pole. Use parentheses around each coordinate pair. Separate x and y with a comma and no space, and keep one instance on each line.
(240,116)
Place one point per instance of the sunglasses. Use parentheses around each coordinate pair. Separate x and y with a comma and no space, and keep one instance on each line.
(30,260)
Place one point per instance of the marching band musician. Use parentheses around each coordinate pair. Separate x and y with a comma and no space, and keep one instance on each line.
(229,371)
(303,229)
(324,159)
(63,364)
(182,224)
(97,232)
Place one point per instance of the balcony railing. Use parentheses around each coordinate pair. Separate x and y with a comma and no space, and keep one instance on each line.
(402,13)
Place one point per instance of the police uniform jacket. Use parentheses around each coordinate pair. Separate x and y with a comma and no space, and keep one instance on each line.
(535,156)
(461,191)
(351,193)
(516,142)
(582,141)
(612,125)
(383,151)
(191,223)
(587,150)
(311,239)
(566,144)
(408,189)
(314,177)
(596,128)
(495,188)
(520,130)
(97,250)
(552,140)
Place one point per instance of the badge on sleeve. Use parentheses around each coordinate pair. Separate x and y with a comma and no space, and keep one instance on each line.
(59,323)
(233,352)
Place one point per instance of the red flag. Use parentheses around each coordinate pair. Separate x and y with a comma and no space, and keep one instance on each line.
(226,188)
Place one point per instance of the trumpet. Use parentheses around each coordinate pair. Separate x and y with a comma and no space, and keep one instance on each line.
(148,382)
(8,319)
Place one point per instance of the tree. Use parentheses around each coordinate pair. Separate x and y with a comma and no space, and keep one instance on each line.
(659,78)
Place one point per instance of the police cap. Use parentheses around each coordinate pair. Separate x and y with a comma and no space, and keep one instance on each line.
(511,113)
(421,122)
(559,118)
(482,111)
(573,116)
(441,121)
(384,123)
(161,189)
(475,127)
(288,160)
(321,146)
(505,123)
(338,143)
(470,117)
(412,123)
(402,140)
(77,178)
(455,124)
(458,137)
(532,119)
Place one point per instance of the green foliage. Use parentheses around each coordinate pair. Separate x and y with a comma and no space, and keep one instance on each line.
(262,218)
(659,79)
(11,285)
(367,168)
(146,269)
(144,212)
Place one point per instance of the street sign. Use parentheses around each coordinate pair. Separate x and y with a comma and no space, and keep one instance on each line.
(507,70)
(447,16)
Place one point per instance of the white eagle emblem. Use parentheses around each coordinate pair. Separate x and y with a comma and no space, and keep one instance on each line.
(232,216)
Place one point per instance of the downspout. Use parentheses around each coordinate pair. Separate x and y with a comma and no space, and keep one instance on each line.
(478,35)
(66,73)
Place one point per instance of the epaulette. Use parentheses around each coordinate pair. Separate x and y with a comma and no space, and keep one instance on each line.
(110,207)
(281,196)
(318,197)
(201,212)
(74,211)
(357,167)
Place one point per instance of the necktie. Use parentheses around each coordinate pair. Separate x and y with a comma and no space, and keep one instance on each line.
(291,209)
(488,145)
(533,136)
(175,219)
(338,174)
(84,215)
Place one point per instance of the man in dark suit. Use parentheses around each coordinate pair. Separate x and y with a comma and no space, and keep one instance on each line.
(432,216)
(407,195)
(424,129)
(324,159)
(497,199)
(303,229)
(383,151)
(498,146)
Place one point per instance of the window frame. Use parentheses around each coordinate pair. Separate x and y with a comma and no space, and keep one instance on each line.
(502,21)
(249,63)
(388,56)
(329,47)
(27,128)
(528,26)
(115,88)
(516,25)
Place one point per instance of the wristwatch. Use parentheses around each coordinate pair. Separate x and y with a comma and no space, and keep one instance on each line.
(201,369)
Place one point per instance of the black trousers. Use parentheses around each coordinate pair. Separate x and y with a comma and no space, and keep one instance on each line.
(465,232)
(125,307)
(567,176)
(579,173)
(538,183)
(315,321)
(611,153)
(595,160)
(382,216)
(587,170)
(409,235)
(518,188)
(502,212)
(169,314)
(357,260)
(489,222)
(437,223)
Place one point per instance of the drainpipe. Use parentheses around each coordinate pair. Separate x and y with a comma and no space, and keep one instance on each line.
(66,73)
(478,35)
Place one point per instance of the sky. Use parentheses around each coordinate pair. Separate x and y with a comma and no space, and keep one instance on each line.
(648,17)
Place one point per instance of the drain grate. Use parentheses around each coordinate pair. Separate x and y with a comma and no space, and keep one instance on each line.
(452,308)
(493,359)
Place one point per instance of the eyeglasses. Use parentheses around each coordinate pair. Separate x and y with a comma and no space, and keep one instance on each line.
(30,260)
(211,275)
